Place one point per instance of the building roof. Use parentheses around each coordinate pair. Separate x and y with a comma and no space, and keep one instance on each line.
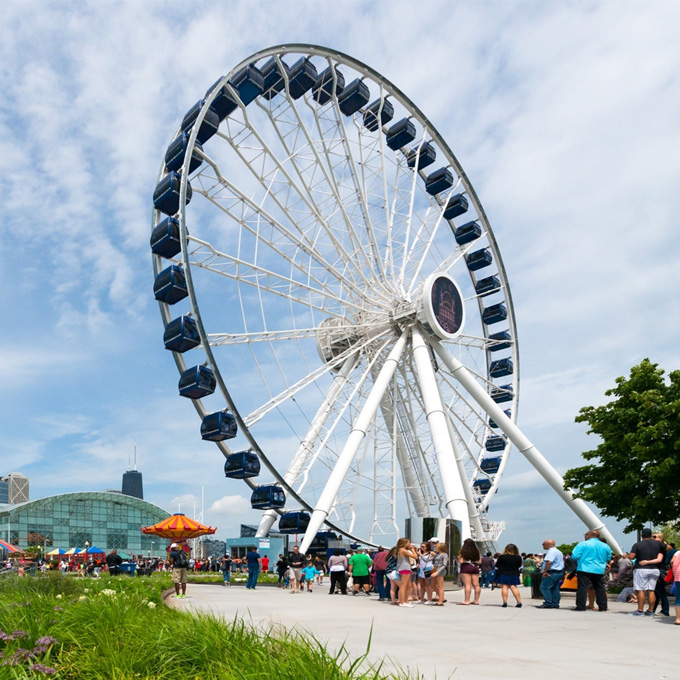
(84,495)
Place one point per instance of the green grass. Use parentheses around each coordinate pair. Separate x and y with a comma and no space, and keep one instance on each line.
(118,628)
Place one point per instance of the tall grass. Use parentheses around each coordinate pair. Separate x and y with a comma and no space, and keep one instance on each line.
(118,629)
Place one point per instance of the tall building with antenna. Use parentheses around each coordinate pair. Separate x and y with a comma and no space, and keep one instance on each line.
(132,480)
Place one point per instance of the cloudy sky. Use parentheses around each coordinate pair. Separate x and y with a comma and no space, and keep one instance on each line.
(564,116)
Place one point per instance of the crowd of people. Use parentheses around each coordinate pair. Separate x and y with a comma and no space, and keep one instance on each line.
(408,574)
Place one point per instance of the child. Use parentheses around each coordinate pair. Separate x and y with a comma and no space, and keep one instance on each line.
(308,575)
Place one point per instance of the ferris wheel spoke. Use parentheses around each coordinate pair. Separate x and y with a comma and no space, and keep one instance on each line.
(205,256)
(285,235)
(288,184)
(324,166)
(357,395)
(441,202)
(291,391)
(358,187)
(409,219)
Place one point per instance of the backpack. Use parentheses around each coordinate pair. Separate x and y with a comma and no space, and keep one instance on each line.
(391,563)
(181,561)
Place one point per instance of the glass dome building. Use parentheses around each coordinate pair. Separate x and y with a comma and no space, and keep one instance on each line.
(104,519)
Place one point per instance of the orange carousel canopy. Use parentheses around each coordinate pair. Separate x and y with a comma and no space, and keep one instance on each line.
(179,526)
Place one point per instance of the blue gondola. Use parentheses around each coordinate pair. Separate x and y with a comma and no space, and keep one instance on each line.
(494,314)
(353,97)
(248,82)
(273,77)
(181,334)
(481,486)
(303,75)
(403,132)
(164,239)
(197,382)
(501,394)
(467,233)
(491,465)
(478,259)
(323,87)
(224,103)
(209,126)
(294,522)
(438,181)
(501,367)
(487,286)
(495,443)
(377,114)
(494,424)
(267,497)
(170,286)
(457,205)
(500,340)
(241,465)
(216,427)
(177,151)
(421,156)
(166,194)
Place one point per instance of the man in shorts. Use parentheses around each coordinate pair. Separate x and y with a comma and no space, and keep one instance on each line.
(359,568)
(179,563)
(296,563)
(648,555)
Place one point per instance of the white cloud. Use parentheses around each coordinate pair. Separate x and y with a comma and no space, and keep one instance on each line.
(230,505)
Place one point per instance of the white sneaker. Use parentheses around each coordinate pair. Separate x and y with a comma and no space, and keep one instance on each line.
(428,602)
(406,604)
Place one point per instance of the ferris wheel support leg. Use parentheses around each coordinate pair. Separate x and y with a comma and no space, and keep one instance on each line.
(524,446)
(356,436)
(454,493)
(306,447)
(473,510)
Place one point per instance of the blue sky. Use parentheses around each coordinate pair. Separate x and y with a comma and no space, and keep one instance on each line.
(564,116)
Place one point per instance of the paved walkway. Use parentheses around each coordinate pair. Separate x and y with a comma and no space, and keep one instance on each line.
(468,643)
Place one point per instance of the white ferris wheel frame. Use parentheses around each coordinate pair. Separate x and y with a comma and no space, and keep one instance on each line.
(458,498)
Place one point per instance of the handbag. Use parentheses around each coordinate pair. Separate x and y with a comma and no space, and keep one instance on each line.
(393,575)
(673,589)
(668,578)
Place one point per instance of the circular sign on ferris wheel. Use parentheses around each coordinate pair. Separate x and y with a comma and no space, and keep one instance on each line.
(443,306)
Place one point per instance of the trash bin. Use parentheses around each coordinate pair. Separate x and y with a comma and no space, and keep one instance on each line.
(128,568)
(536,579)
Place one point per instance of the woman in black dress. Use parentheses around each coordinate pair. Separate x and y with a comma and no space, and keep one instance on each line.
(507,573)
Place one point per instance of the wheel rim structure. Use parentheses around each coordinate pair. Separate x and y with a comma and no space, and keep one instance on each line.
(311,243)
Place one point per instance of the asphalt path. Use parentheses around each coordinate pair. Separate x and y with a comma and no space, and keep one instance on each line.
(462,642)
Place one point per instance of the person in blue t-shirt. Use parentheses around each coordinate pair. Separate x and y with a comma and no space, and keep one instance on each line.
(309,574)
(592,557)
(253,561)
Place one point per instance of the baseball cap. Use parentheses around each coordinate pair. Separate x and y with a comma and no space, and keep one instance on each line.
(173,545)
(434,539)
(646,532)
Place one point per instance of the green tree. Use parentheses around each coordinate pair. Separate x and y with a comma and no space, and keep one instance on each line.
(635,469)
(566,548)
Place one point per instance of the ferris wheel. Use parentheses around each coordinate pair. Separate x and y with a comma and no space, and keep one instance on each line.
(336,302)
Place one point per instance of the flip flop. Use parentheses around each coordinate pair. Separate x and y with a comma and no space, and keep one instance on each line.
(436,604)
(465,604)
(477,603)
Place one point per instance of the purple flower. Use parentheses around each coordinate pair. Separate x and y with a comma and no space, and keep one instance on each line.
(4,636)
(46,640)
(18,634)
(42,668)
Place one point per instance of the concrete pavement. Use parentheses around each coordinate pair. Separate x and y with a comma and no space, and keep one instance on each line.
(459,642)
